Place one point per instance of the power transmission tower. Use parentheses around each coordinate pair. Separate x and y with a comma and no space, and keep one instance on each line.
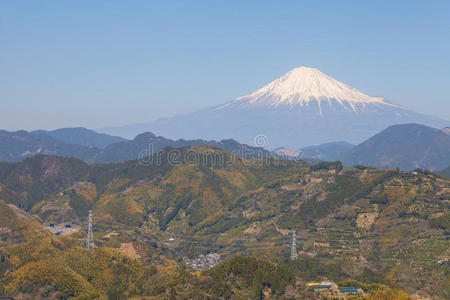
(90,236)
(294,246)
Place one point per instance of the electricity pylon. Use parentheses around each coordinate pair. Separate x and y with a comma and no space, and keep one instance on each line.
(90,236)
(294,246)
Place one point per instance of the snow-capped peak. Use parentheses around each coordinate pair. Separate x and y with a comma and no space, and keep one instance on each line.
(303,85)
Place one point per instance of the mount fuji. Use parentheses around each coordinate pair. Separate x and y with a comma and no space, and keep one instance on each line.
(302,107)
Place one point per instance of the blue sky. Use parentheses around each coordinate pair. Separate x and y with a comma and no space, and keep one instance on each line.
(100,63)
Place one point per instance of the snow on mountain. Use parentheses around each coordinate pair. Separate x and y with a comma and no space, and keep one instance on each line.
(301,108)
(303,85)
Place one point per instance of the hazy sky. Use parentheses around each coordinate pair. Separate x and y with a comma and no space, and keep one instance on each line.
(100,63)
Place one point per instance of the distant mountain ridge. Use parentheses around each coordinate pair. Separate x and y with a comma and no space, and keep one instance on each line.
(148,143)
(82,137)
(406,146)
(16,146)
(327,152)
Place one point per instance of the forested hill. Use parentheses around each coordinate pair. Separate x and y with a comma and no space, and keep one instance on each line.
(351,223)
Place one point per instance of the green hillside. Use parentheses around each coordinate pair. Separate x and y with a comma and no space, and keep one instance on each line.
(384,228)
